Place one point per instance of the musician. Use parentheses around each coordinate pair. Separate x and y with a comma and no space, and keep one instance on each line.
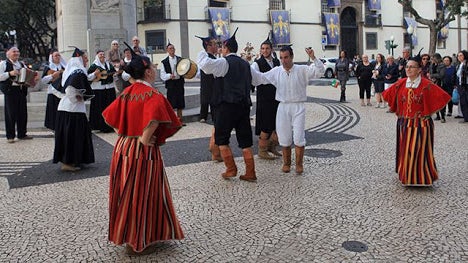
(266,105)
(16,112)
(173,82)
(104,91)
(53,76)
(73,142)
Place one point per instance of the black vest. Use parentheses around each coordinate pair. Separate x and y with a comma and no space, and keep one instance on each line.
(6,86)
(167,68)
(57,84)
(207,80)
(235,86)
(263,66)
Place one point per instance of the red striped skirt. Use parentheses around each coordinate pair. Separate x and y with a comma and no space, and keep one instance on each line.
(140,203)
(415,163)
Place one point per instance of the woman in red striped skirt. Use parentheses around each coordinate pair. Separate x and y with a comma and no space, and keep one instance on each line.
(140,203)
(414,100)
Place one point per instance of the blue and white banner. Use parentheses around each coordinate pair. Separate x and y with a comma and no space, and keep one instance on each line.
(443,33)
(280,24)
(332,24)
(334,3)
(220,21)
(410,22)
(374,5)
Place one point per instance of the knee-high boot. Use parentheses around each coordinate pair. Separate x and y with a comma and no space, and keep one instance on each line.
(299,159)
(286,159)
(231,168)
(273,142)
(249,166)
(263,149)
(214,149)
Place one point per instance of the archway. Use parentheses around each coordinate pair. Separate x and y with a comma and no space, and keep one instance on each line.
(349,31)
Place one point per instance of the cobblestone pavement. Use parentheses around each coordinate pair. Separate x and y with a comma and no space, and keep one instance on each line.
(349,192)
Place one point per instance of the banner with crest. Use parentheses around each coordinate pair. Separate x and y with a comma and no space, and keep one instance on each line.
(410,22)
(332,24)
(334,3)
(280,27)
(374,5)
(220,20)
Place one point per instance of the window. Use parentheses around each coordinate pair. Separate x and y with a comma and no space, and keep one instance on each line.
(371,40)
(154,10)
(372,18)
(276,4)
(155,41)
(325,8)
(219,3)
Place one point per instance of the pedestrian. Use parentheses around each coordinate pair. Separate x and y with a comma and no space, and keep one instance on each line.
(342,73)
(364,77)
(402,61)
(104,91)
(391,74)
(267,105)
(16,111)
(141,211)
(462,86)
(378,79)
(114,56)
(291,81)
(52,75)
(173,83)
(449,81)
(137,48)
(436,74)
(232,102)
(414,99)
(73,141)
(207,92)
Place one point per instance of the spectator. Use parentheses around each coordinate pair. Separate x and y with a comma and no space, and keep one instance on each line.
(378,79)
(364,77)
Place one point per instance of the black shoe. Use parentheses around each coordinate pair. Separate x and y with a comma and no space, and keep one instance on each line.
(449,114)
(458,117)
(27,137)
(442,120)
(437,118)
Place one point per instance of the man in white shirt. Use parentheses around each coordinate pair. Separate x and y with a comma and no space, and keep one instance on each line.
(291,82)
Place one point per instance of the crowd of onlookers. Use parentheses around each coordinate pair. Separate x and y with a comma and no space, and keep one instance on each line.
(448,72)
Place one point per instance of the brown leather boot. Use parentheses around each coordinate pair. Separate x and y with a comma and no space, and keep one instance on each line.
(231,168)
(214,149)
(299,159)
(263,150)
(272,147)
(249,166)
(286,159)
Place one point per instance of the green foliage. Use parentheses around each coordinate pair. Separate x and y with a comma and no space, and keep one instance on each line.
(31,21)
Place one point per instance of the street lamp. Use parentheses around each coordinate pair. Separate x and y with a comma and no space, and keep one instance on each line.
(410,31)
(389,44)
(392,38)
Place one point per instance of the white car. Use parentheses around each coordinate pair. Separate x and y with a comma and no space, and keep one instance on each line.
(329,64)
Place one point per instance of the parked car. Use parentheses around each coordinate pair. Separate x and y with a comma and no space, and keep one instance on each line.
(329,64)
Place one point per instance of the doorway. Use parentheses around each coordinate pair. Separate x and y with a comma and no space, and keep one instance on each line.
(349,31)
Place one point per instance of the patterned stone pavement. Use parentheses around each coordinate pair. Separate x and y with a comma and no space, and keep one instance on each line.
(349,192)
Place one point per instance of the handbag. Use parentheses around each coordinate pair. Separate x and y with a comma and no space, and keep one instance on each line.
(455,96)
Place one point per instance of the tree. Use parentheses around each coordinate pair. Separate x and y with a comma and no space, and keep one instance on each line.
(31,19)
(450,9)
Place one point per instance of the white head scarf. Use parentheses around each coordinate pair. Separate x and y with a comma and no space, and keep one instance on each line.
(75,64)
(54,66)
(98,62)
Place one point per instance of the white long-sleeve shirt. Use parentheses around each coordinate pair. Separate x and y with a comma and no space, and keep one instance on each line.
(167,76)
(290,86)
(218,67)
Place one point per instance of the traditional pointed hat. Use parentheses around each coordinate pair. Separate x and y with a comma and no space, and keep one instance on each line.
(417,58)
(168,43)
(77,52)
(205,40)
(268,41)
(137,66)
(231,43)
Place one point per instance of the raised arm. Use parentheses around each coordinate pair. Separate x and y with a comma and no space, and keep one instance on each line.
(316,69)
(218,67)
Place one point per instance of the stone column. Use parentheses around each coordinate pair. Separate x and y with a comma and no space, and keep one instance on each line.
(72,25)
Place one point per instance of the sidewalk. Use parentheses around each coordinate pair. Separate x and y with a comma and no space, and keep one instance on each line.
(348,206)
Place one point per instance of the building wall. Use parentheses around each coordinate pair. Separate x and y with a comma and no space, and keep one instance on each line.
(252,18)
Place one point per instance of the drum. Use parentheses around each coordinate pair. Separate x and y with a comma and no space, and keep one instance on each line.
(186,68)
(27,77)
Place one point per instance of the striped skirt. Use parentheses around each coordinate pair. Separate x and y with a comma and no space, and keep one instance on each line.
(415,163)
(140,203)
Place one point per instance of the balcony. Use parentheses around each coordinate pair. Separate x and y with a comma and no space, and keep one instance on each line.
(153,14)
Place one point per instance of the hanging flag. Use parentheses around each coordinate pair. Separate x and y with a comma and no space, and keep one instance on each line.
(443,33)
(280,26)
(334,3)
(442,4)
(220,21)
(374,5)
(332,24)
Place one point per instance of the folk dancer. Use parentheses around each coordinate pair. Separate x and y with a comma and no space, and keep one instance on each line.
(291,82)
(141,211)
(207,91)
(232,102)
(267,105)
(414,99)
(73,141)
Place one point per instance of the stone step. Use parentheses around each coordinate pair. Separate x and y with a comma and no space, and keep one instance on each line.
(37,104)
